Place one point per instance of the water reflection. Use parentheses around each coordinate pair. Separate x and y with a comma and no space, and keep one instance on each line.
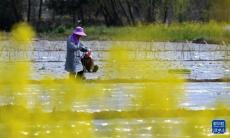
(120,96)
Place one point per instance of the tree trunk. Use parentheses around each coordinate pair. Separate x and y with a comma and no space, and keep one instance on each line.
(116,19)
(106,15)
(82,16)
(28,10)
(165,20)
(151,11)
(74,18)
(15,10)
(165,11)
(101,8)
(40,10)
(109,19)
(124,11)
(130,11)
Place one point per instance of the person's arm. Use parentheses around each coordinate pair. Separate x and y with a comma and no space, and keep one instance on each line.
(83,48)
(75,47)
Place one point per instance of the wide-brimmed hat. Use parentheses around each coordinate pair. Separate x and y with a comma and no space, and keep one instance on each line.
(79,31)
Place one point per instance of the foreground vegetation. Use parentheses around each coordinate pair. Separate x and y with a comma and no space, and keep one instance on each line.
(27,114)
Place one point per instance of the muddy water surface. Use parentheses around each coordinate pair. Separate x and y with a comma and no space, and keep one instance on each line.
(204,61)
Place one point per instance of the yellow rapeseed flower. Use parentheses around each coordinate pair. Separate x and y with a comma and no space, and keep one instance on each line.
(22,34)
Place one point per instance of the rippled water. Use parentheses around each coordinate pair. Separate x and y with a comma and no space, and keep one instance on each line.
(118,97)
(204,61)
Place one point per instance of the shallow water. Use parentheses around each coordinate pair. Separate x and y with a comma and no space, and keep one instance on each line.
(204,61)
(118,97)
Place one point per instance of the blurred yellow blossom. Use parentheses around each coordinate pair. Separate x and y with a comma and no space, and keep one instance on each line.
(22,34)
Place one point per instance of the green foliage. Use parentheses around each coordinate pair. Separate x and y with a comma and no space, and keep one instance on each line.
(220,10)
(60,29)
(212,32)
(180,71)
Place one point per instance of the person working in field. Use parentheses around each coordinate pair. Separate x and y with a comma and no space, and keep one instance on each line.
(73,63)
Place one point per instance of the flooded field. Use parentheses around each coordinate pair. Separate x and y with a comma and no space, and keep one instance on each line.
(204,61)
(114,109)
(115,113)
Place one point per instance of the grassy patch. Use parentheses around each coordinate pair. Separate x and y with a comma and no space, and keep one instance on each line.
(180,71)
(212,32)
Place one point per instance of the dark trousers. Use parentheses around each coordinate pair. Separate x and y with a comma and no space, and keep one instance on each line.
(78,75)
